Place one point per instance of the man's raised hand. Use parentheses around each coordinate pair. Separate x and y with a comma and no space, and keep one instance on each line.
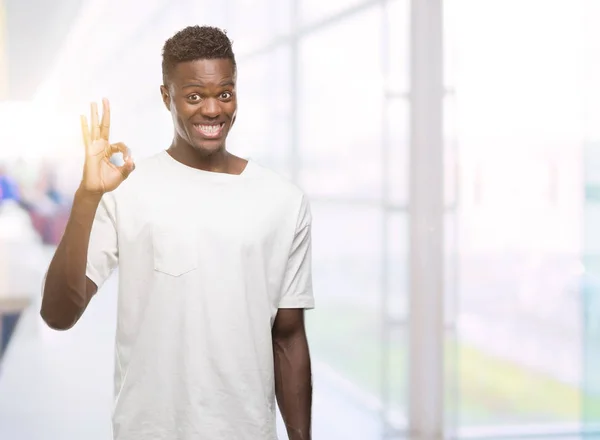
(99,174)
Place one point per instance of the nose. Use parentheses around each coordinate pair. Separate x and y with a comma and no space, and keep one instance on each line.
(210,108)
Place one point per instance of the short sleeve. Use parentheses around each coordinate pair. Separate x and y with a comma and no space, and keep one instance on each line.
(102,256)
(297,289)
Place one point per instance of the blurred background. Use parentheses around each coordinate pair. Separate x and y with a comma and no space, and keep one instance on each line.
(451,152)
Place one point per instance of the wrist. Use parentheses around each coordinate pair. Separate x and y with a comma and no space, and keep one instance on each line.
(299,436)
(85,196)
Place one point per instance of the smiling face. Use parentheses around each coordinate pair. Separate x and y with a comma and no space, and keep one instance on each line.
(201,97)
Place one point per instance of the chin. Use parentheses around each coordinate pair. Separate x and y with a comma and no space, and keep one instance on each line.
(208,148)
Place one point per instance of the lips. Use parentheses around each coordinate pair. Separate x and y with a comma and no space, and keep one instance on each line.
(209,130)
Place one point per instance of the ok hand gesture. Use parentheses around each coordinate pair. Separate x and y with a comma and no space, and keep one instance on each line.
(99,174)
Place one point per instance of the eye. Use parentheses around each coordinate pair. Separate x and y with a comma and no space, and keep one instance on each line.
(194,97)
(226,95)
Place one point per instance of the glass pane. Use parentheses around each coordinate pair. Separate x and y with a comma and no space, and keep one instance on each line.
(591,66)
(451,267)
(340,99)
(498,67)
(451,304)
(395,385)
(520,218)
(316,10)
(397,266)
(590,292)
(253,24)
(345,328)
(262,128)
(590,274)
(451,60)
(394,340)
(347,343)
(451,152)
(398,150)
(397,13)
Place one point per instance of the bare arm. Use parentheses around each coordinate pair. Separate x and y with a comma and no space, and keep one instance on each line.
(67,290)
(293,377)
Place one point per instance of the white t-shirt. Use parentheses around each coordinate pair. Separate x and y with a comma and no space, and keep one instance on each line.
(205,261)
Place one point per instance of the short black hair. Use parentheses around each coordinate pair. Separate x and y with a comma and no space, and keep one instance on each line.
(196,43)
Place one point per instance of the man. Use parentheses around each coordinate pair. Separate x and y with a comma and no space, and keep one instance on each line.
(214,257)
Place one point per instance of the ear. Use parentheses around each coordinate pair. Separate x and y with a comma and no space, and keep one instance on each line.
(165,97)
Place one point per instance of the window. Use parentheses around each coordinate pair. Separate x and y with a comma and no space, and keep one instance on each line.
(346,330)
(316,10)
(340,106)
(253,24)
(262,129)
(519,131)
(397,162)
(397,13)
(591,274)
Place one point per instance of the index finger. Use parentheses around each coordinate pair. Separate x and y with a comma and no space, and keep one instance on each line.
(105,123)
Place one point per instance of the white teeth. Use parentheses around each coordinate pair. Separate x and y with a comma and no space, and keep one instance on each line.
(209,129)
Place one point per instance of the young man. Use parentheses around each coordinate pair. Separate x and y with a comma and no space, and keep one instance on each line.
(214,257)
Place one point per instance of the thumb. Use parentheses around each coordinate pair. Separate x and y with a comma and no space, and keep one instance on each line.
(127,168)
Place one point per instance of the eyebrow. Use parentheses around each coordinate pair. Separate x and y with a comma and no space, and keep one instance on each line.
(227,82)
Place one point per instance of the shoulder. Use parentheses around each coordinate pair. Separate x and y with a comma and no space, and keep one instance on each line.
(282,195)
(280,190)
(276,183)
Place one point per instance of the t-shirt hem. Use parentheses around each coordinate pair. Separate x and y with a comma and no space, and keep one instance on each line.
(93,275)
(296,304)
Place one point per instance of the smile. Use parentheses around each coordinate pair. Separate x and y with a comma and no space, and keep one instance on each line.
(212,130)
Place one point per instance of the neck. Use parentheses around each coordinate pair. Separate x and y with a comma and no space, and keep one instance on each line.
(218,161)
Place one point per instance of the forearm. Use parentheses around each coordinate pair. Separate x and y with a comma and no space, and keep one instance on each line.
(66,290)
(293,385)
